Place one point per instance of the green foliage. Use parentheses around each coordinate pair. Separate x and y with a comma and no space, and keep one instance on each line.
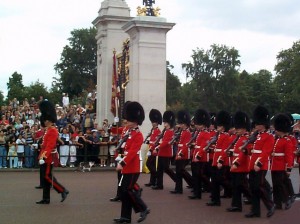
(35,90)
(172,89)
(78,64)
(15,87)
(1,98)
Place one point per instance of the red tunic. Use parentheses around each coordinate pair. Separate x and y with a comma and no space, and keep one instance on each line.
(165,149)
(221,145)
(154,134)
(132,160)
(282,154)
(183,150)
(49,145)
(240,159)
(201,141)
(261,150)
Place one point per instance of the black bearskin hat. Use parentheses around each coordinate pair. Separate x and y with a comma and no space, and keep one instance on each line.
(124,109)
(134,112)
(291,119)
(241,120)
(183,117)
(169,117)
(202,117)
(47,112)
(155,116)
(223,118)
(282,123)
(261,116)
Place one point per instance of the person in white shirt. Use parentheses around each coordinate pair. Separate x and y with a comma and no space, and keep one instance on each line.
(20,150)
(65,100)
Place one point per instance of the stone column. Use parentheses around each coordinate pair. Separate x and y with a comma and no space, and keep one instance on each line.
(147,79)
(112,16)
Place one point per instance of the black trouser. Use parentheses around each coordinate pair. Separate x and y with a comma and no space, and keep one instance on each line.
(218,179)
(163,165)
(280,189)
(260,189)
(79,156)
(129,196)
(50,180)
(289,185)
(182,173)
(207,169)
(42,176)
(151,164)
(199,178)
(239,186)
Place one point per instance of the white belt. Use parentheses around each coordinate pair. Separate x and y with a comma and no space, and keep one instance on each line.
(256,151)
(278,154)
(180,145)
(236,154)
(151,142)
(218,150)
(197,147)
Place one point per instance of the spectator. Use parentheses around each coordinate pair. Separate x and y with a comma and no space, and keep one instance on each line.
(64,149)
(12,153)
(87,121)
(62,122)
(65,100)
(103,152)
(20,150)
(73,145)
(3,152)
(80,150)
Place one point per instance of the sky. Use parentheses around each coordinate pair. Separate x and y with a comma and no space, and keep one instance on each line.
(34,32)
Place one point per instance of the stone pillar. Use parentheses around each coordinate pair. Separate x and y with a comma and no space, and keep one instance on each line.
(112,16)
(147,79)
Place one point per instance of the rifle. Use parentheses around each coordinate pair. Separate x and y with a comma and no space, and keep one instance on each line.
(212,141)
(175,136)
(159,137)
(124,139)
(146,139)
(227,151)
(193,138)
(250,140)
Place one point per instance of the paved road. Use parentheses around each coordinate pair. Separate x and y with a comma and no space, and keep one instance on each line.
(88,202)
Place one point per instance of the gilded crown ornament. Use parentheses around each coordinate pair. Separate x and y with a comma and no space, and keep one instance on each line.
(148,10)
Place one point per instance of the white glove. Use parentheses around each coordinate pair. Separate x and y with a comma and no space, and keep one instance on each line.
(41,161)
(119,158)
(149,153)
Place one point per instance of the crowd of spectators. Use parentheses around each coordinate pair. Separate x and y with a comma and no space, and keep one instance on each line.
(82,138)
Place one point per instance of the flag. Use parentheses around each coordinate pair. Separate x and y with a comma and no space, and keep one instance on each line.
(115,89)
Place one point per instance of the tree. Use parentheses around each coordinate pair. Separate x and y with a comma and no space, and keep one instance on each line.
(15,87)
(213,72)
(36,90)
(78,64)
(287,80)
(172,89)
(1,98)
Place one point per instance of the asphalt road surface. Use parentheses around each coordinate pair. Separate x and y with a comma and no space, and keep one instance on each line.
(88,202)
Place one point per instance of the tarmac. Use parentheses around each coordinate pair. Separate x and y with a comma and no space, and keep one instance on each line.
(88,201)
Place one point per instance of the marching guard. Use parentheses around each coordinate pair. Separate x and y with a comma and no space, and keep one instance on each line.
(130,166)
(156,119)
(258,165)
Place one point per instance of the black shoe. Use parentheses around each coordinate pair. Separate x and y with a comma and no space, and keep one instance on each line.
(234,209)
(38,187)
(212,203)
(288,204)
(143,215)
(43,202)
(149,185)
(176,192)
(122,220)
(157,188)
(297,195)
(252,215)
(271,211)
(115,199)
(64,195)
(293,198)
(194,197)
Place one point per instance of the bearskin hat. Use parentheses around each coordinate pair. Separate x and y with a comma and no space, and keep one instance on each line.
(223,118)
(183,117)
(134,112)
(155,116)
(124,109)
(282,123)
(169,117)
(241,120)
(47,112)
(291,119)
(202,117)
(261,116)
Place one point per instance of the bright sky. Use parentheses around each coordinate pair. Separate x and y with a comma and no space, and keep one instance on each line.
(34,32)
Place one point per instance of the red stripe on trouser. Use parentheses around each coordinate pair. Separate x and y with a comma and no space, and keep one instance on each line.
(48,177)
